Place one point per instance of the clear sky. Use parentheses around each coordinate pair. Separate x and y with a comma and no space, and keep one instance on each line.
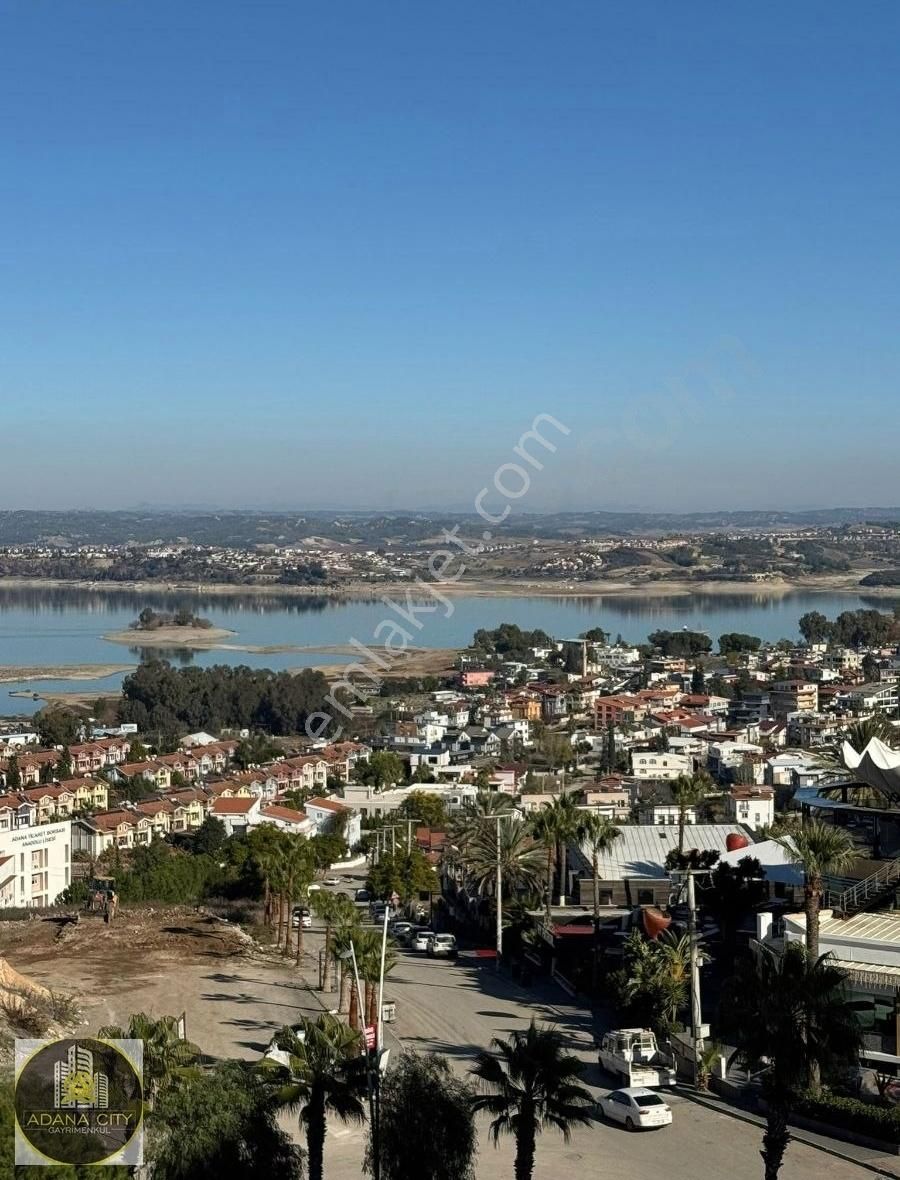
(340,254)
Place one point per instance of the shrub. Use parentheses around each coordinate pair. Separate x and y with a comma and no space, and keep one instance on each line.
(853,1114)
(26,1013)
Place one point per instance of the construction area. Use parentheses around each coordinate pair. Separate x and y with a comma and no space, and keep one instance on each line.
(173,960)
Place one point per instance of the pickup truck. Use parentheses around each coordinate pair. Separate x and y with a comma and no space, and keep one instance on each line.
(634,1055)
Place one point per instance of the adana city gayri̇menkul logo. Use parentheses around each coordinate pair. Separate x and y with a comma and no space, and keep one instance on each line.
(79,1101)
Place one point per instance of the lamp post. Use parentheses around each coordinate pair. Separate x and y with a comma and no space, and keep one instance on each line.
(499,899)
(371,1073)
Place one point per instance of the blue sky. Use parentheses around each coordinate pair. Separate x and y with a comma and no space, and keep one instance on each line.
(284,254)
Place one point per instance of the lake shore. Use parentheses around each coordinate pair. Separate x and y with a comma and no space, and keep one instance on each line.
(635,587)
(10,674)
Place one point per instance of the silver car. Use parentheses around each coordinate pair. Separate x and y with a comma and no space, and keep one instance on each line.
(442,946)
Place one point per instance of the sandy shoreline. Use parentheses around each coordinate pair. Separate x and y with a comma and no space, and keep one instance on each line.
(197,638)
(847,583)
(9,674)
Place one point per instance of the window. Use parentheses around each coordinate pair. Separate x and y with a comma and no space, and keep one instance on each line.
(645,897)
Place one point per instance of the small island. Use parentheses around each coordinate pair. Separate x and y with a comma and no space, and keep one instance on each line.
(179,630)
(151,620)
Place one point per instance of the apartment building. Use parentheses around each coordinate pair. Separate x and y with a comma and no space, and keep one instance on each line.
(35,863)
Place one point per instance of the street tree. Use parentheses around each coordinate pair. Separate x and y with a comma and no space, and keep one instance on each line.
(688,791)
(788,1018)
(427,1125)
(528,1083)
(318,1080)
(169,1061)
(821,850)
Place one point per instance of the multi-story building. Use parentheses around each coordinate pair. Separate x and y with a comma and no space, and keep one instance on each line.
(651,764)
(794,696)
(35,863)
(753,806)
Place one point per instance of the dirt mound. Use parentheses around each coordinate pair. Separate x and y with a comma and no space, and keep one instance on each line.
(12,981)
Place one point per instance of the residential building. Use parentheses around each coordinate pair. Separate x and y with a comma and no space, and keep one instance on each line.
(651,764)
(793,696)
(753,806)
(238,814)
(323,812)
(35,863)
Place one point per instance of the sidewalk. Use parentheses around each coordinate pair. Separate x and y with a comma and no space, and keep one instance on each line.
(864,1157)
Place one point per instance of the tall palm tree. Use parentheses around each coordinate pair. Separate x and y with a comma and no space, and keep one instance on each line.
(821,850)
(688,791)
(318,1080)
(528,1083)
(599,834)
(168,1059)
(469,823)
(521,859)
(368,959)
(788,1014)
(555,825)
(334,910)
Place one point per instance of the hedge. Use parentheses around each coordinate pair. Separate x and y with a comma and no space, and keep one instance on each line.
(852,1114)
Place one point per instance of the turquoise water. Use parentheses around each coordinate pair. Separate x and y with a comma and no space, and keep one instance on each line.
(41,628)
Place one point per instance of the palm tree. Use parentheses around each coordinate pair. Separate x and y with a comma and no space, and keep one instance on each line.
(788,1014)
(599,833)
(821,850)
(318,1080)
(555,825)
(688,791)
(368,959)
(334,910)
(521,859)
(527,1084)
(168,1060)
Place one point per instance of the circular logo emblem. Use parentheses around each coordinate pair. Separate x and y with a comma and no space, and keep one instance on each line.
(80,1101)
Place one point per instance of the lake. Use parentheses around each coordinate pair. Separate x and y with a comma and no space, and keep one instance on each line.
(55,627)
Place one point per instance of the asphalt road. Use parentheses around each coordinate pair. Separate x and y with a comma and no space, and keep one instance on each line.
(456,1008)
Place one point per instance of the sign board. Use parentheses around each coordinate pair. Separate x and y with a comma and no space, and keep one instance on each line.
(369,1032)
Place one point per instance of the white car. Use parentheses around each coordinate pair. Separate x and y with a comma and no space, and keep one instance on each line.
(421,940)
(636,1107)
(333,881)
(302,918)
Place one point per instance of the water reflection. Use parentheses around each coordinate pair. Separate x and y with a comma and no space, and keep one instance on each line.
(112,600)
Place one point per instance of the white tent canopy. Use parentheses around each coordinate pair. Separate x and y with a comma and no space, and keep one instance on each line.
(878,766)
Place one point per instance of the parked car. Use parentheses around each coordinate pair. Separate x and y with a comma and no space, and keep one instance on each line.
(362,895)
(636,1107)
(421,939)
(333,881)
(301,917)
(400,929)
(406,938)
(442,946)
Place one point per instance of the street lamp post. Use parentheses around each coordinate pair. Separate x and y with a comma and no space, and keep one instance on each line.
(499,899)
(371,1073)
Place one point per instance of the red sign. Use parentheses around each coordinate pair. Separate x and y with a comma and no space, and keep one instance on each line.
(369,1031)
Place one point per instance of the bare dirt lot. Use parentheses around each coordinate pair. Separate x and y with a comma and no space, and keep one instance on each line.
(164,960)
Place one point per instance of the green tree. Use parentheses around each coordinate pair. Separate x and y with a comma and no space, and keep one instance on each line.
(430,809)
(57,727)
(64,764)
(137,751)
(209,837)
(528,1083)
(333,910)
(555,826)
(13,774)
(815,627)
(427,1126)
(169,1061)
(521,857)
(688,791)
(405,873)
(822,851)
(382,769)
(222,1123)
(599,834)
(698,680)
(788,1015)
(318,1080)
(653,985)
(737,641)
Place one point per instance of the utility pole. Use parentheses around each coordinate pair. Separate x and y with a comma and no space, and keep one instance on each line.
(696,1010)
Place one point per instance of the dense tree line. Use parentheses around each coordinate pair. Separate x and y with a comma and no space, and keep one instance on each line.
(737,641)
(852,628)
(680,643)
(163,700)
(510,642)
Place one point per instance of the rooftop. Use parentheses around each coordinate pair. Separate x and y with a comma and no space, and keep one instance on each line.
(641,849)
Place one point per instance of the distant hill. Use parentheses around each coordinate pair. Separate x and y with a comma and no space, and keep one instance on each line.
(247,529)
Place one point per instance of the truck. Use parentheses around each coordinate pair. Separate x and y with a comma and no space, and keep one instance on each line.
(634,1055)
